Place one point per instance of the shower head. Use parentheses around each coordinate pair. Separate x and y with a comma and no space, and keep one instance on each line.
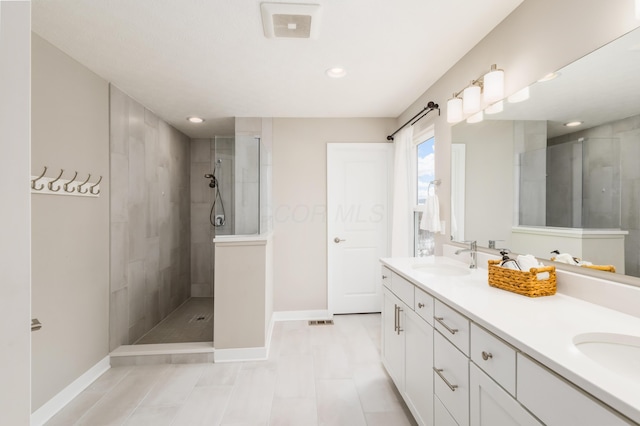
(214,181)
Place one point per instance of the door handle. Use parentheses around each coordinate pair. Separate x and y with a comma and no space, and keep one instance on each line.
(338,240)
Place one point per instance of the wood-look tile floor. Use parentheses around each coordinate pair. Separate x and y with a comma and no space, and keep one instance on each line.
(315,375)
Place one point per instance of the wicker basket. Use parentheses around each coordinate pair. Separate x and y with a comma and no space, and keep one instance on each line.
(605,268)
(522,282)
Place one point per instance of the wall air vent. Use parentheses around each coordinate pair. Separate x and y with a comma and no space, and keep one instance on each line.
(288,20)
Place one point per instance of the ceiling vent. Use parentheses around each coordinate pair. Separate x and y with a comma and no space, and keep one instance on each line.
(288,20)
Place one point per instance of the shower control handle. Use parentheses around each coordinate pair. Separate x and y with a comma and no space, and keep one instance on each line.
(338,240)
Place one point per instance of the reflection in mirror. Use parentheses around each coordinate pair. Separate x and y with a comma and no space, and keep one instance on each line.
(537,185)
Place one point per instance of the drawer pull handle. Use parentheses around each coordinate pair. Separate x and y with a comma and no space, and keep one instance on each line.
(399,326)
(439,373)
(395,318)
(486,355)
(420,305)
(384,277)
(449,329)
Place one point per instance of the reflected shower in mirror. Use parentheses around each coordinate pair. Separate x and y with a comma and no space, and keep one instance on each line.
(537,184)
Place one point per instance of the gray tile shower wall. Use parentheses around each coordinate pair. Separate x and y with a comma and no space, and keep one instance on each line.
(150,219)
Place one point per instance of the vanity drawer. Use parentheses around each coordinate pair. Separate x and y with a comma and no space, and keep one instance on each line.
(453,325)
(403,289)
(386,277)
(424,305)
(451,378)
(495,357)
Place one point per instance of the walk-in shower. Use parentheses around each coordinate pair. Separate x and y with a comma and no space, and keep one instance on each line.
(235,196)
(573,184)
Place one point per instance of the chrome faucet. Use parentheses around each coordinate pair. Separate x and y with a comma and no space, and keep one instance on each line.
(473,248)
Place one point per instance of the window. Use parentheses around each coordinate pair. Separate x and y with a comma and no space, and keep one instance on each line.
(424,243)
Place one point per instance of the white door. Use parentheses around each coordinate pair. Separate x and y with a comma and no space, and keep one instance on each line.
(358,193)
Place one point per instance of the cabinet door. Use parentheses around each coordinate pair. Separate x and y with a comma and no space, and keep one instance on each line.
(442,417)
(418,367)
(490,405)
(392,341)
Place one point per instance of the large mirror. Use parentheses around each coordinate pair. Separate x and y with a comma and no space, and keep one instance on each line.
(527,180)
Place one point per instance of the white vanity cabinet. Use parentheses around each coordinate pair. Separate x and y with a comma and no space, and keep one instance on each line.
(393,337)
(453,369)
(491,405)
(407,344)
(451,378)
(492,383)
(418,392)
(556,402)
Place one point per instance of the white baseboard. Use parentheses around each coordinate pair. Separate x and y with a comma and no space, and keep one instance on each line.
(57,403)
(301,315)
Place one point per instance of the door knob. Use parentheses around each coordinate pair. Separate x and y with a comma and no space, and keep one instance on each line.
(338,240)
(35,324)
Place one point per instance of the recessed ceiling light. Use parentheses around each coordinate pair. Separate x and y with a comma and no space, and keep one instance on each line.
(195,119)
(549,77)
(336,72)
(573,123)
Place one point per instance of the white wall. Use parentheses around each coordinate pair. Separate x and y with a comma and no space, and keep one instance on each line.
(300,199)
(15,312)
(538,37)
(70,239)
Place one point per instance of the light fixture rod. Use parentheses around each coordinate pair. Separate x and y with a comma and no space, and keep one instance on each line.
(479,81)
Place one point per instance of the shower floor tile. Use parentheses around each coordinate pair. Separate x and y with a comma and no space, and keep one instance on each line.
(190,322)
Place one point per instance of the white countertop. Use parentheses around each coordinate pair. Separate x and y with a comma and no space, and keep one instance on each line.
(542,327)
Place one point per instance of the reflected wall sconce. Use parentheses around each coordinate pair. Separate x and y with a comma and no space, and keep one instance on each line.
(487,89)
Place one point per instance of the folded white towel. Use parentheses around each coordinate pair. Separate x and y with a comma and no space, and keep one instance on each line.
(565,258)
(430,220)
(529,261)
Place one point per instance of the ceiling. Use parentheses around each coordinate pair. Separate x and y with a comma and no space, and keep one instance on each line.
(210,58)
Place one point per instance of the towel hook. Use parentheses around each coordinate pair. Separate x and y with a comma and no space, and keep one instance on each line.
(96,184)
(80,191)
(54,181)
(433,183)
(66,185)
(33,182)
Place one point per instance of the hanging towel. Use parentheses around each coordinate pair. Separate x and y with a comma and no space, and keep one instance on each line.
(430,220)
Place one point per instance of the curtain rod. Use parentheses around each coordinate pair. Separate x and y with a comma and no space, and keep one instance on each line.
(430,107)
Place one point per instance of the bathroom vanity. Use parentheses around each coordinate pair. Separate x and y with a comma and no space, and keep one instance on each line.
(463,353)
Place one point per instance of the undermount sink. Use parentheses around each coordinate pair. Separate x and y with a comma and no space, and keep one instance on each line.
(442,270)
(616,352)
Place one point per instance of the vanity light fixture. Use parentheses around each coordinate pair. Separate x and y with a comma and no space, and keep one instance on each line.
(471,98)
(195,120)
(476,118)
(495,108)
(573,123)
(486,89)
(454,109)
